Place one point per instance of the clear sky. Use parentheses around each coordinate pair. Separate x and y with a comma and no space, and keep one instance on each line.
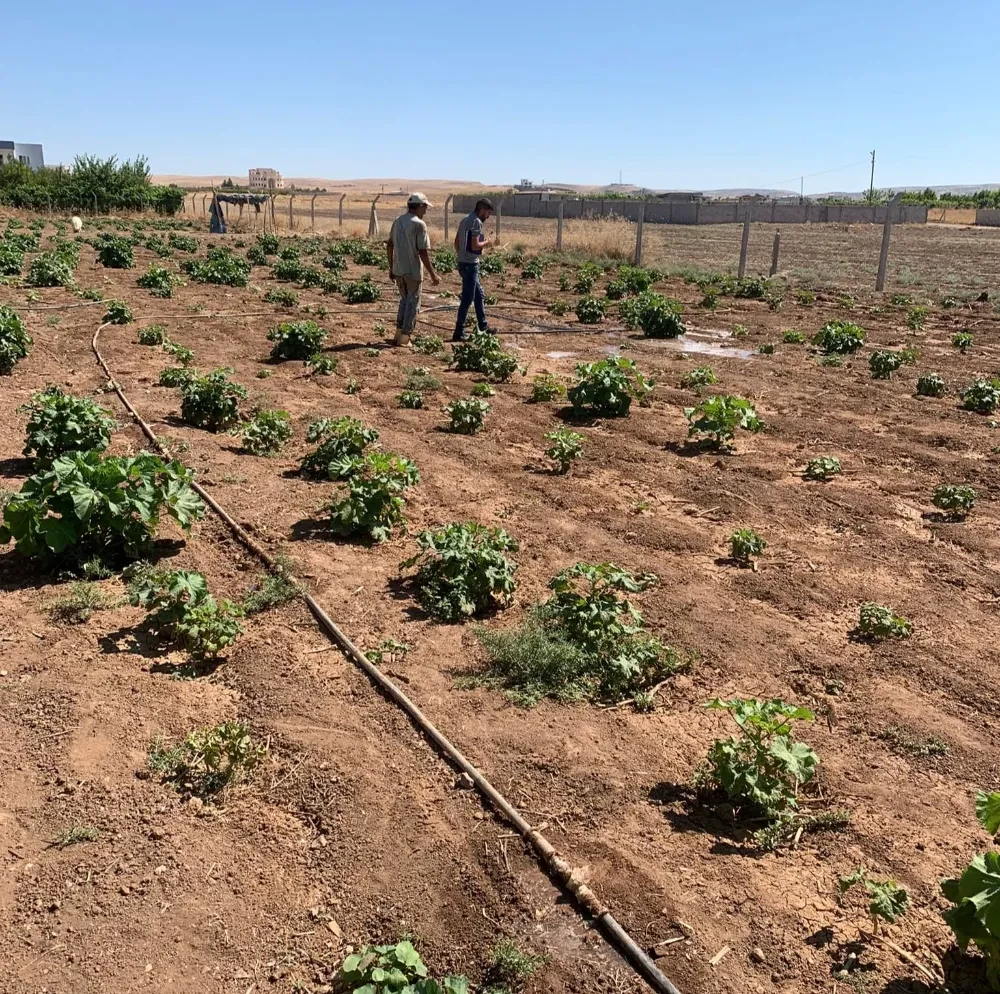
(675,95)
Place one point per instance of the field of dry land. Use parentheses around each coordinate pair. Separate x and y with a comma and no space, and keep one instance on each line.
(259,857)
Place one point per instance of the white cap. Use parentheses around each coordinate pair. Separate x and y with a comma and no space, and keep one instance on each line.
(418,200)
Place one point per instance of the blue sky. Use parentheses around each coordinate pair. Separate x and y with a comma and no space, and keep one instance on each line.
(673,95)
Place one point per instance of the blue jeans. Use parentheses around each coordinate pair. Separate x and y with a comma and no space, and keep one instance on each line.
(472,293)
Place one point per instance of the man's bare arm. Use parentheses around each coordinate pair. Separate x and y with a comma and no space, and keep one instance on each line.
(425,258)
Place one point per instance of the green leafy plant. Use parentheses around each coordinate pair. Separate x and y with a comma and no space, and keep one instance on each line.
(962,341)
(296,339)
(887,901)
(175,376)
(839,338)
(463,570)
(533,269)
(182,610)
(75,835)
(211,400)
(221,267)
(114,252)
(11,258)
(15,342)
(266,432)
(179,353)
(956,500)
(411,399)
(49,269)
(321,365)
(975,895)
(80,603)
(761,771)
(982,395)
(342,441)
(564,446)
(427,344)
(916,317)
(482,390)
(362,291)
(721,417)
(510,968)
(118,312)
(822,468)
(930,385)
(60,423)
(883,364)
(466,415)
(590,310)
(656,315)
(745,544)
(152,334)
(700,376)
(710,301)
(445,261)
(352,386)
(287,269)
(374,502)
(546,387)
(183,243)
(805,298)
(85,505)
(283,297)
(879,623)
(793,337)
(559,308)
(209,759)
(483,353)
(766,348)
(608,387)
(393,969)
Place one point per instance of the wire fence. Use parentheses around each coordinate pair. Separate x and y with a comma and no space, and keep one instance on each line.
(933,258)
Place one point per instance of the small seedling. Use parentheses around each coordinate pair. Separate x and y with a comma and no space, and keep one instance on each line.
(466,416)
(372,353)
(793,338)
(805,298)
(321,365)
(546,387)
(421,379)
(482,390)
(887,900)
(766,348)
(721,417)
(152,334)
(930,385)
(822,468)
(916,317)
(962,341)
(700,376)
(879,623)
(745,544)
(353,386)
(956,500)
(411,399)
(428,344)
(564,446)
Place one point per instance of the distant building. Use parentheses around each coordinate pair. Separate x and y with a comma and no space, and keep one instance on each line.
(30,155)
(681,196)
(266,179)
(525,184)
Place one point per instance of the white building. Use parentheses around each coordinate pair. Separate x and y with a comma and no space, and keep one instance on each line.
(266,179)
(30,155)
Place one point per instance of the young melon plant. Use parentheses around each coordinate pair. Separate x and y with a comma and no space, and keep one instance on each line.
(420,378)
(209,759)
(822,468)
(763,770)
(956,500)
(428,344)
(86,505)
(221,267)
(656,315)
(158,280)
(916,316)
(183,243)
(296,339)
(564,447)
(483,353)
(721,417)
(118,312)
(982,395)
(152,334)
(962,341)
(342,442)
(887,901)
(700,376)
(590,310)
(883,364)
(975,895)
(175,376)
(362,291)
(839,338)
(182,610)
(482,390)
(930,385)
(15,342)
(463,570)
(49,269)
(394,969)
(114,252)
(608,387)
(283,297)
(745,545)
(59,423)
(466,415)
(321,365)
(266,432)
(879,623)
(793,338)
(546,387)
(179,353)
(374,502)
(559,308)
(211,400)
(411,399)
(587,641)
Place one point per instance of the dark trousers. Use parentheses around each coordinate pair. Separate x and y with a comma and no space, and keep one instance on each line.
(472,293)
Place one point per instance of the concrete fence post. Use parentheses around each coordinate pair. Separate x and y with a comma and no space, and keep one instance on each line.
(95,203)
(883,256)
(291,219)
(312,211)
(340,210)
(638,233)
(775,252)
(447,204)
(496,234)
(559,225)
(373,219)
(204,209)
(744,245)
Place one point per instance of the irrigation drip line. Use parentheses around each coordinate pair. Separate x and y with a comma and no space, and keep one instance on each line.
(569,878)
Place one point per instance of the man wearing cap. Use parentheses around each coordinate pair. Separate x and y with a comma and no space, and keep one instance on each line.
(409,247)
(469,244)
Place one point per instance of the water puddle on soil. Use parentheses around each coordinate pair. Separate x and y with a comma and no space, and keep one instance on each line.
(559,355)
(707,341)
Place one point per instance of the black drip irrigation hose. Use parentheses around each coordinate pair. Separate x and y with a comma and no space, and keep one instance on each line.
(568,877)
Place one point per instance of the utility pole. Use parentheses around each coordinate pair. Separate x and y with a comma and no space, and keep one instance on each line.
(871,189)
(802,189)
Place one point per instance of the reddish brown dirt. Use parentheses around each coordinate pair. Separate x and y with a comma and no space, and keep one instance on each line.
(356,817)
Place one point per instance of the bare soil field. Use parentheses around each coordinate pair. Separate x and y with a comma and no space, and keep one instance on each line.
(355,830)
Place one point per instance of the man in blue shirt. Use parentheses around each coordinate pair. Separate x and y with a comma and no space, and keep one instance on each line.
(470,241)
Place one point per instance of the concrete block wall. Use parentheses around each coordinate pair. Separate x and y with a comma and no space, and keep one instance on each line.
(988,216)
